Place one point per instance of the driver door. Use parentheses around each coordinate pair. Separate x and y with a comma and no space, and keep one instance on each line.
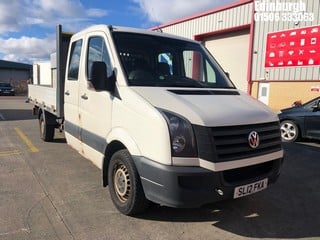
(95,107)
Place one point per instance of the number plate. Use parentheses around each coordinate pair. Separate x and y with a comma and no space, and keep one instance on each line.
(251,188)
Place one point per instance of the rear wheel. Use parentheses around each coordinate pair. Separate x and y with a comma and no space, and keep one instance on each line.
(124,184)
(46,131)
(289,131)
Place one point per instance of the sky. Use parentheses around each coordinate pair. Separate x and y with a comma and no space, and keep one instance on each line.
(27,27)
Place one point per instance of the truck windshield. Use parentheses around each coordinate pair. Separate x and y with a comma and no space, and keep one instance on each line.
(150,60)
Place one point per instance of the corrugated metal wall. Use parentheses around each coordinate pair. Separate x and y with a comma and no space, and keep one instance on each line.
(230,18)
(241,16)
(259,72)
(7,75)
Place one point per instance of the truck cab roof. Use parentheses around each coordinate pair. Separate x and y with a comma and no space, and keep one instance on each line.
(103,27)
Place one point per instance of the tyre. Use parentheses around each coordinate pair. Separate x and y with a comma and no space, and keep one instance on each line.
(289,131)
(46,131)
(125,186)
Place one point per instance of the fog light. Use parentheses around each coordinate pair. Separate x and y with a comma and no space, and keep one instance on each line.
(219,191)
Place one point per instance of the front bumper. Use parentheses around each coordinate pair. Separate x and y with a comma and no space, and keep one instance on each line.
(189,187)
(7,92)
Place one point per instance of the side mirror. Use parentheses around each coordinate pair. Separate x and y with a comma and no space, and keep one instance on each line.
(297,103)
(99,78)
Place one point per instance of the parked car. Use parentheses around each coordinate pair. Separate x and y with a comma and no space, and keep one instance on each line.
(6,89)
(301,120)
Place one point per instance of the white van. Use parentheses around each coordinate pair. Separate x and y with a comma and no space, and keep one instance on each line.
(160,117)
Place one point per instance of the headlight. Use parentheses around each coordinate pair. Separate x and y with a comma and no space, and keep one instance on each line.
(183,143)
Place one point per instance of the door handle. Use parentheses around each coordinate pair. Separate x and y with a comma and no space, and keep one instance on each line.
(84,96)
(66,93)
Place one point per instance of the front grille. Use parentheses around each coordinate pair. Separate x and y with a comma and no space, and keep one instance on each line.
(219,144)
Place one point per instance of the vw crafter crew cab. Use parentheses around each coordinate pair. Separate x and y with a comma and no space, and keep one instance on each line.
(159,116)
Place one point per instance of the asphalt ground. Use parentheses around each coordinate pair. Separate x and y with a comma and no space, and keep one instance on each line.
(48,191)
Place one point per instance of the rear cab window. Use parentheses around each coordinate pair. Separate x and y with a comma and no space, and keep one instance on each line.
(74,60)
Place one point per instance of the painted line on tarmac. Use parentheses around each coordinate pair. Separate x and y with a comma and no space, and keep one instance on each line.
(26,140)
(9,153)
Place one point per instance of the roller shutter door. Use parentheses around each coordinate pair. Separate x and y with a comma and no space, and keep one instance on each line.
(232,51)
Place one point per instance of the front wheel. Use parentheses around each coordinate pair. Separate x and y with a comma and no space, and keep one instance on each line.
(289,131)
(124,184)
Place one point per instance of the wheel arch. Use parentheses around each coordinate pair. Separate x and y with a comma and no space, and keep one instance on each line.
(50,118)
(117,140)
(111,148)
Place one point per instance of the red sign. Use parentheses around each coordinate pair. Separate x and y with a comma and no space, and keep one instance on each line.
(295,47)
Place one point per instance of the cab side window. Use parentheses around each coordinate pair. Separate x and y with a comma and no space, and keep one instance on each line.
(98,52)
(74,62)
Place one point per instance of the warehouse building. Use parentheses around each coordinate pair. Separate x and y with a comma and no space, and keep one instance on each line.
(271,49)
(17,74)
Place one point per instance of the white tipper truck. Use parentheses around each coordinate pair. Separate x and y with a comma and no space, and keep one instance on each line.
(158,115)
